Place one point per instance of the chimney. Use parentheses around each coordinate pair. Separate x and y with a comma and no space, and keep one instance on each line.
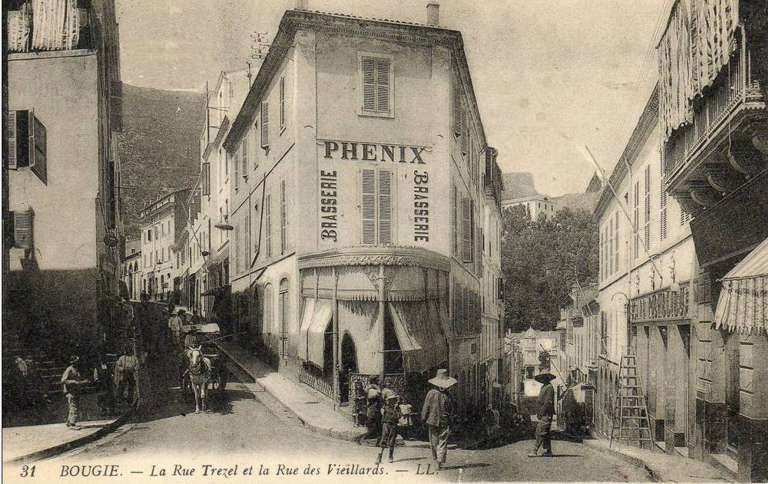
(433,13)
(301,4)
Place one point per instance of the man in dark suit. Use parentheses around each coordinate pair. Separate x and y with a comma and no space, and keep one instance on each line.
(546,410)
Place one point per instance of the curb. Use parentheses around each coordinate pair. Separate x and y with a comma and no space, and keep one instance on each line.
(335,434)
(72,444)
(636,461)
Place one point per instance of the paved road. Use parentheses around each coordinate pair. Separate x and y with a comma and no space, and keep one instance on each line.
(247,431)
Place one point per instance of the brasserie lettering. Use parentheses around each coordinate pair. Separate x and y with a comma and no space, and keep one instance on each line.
(420,206)
(328,205)
(348,150)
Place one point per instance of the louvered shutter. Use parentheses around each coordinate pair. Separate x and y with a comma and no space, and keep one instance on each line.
(369,84)
(268,216)
(385,207)
(245,155)
(382,86)
(283,219)
(205,182)
(455,220)
(264,124)
(23,229)
(457,113)
(368,191)
(11,140)
(282,102)
(466,229)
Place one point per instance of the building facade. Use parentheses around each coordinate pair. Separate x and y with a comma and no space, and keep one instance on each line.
(537,207)
(132,268)
(62,269)
(344,264)
(713,129)
(162,222)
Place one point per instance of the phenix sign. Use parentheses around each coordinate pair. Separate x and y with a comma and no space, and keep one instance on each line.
(356,151)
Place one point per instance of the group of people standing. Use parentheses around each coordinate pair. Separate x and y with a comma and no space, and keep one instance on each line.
(388,416)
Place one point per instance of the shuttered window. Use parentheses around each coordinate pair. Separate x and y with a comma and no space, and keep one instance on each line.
(616,244)
(282,102)
(236,165)
(264,124)
(23,229)
(268,223)
(205,182)
(376,77)
(368,185)
(647,228)
(663,209)
(27,143)
(458,114)
(11,137)
(636,221)
(455,220)
(376,206)
(244,155)
(385,207)
(283,220)
(467,229)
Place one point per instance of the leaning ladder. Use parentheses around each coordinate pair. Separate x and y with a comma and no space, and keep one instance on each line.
(630,416)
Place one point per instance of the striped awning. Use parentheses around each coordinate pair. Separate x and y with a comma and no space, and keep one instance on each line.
(743,303)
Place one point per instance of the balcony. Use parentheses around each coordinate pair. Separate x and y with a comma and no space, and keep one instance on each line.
(725,143)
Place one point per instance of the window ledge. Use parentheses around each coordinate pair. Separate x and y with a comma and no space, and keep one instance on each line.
(369,114)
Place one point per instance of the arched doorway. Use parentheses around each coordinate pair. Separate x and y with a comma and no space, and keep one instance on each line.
(348,365)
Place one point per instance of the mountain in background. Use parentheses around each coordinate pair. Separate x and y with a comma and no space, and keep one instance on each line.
(518,185)
(159,147)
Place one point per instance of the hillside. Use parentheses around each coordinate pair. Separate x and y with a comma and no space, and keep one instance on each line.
(159,145)
(518,185)
(577,201)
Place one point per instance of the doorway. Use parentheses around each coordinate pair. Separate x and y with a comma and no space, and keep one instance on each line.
(732,384)
(348,365)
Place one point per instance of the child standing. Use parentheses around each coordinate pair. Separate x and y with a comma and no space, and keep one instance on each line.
(390,418)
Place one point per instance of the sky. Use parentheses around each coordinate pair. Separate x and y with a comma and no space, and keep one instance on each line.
(549,76)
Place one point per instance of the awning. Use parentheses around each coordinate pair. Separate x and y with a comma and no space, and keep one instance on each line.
(317,315)
(421,338)
(743,303)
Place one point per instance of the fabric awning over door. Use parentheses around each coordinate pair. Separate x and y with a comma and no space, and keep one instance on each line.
(317,315)
(743,303)
(419,333)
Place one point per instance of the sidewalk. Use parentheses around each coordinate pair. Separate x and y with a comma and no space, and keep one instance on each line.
(660,466)
(315,413)
(34,442)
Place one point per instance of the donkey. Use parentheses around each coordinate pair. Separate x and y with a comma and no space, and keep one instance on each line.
(199,368)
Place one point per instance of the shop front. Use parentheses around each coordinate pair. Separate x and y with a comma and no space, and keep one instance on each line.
(366,314)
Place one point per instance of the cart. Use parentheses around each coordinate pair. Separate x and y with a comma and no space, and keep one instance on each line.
(205,335)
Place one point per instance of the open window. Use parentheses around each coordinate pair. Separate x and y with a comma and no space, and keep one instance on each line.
(27,143)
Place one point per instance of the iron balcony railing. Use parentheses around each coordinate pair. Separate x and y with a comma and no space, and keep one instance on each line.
(733,88)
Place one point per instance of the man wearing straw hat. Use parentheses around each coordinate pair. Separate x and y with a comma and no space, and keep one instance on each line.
(545,413)
(436,414)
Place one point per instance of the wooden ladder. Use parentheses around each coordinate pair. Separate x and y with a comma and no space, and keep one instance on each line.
(630,415)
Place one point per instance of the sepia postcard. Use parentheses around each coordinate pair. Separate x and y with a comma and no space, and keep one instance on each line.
(391,240)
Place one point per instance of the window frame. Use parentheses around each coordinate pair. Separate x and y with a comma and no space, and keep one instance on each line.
(361,85)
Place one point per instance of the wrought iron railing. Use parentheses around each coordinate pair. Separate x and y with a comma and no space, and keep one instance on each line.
(315,380)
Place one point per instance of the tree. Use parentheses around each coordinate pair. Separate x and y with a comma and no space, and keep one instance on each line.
(541,260)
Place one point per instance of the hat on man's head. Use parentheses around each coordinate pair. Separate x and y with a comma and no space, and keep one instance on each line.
(544,377)
(442,379)
(74,359)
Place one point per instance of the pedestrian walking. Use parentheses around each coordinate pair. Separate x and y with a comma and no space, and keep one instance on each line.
(71,381)
(437,413)
(545,412)
(390,418)
(175,324)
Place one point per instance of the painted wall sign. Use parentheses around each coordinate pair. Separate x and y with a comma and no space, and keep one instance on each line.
(329,207)
(356,151)
(663,305)
(420,206)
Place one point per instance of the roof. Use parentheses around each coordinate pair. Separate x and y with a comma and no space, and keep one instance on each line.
(396,30)
(645,124)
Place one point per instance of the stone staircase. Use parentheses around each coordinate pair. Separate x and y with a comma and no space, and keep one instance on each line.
(49,368)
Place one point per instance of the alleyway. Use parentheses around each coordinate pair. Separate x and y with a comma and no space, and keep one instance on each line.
(246,430)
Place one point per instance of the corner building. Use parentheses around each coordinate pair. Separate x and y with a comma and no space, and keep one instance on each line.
(365,208)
